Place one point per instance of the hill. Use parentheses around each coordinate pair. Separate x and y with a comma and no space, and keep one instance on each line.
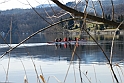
(46,5)
(27,21)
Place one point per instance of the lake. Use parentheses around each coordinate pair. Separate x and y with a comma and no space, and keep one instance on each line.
(36,57)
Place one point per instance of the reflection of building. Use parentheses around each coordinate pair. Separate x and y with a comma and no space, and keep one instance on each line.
(87,53)
(109,31)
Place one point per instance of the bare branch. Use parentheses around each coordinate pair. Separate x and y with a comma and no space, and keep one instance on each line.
(94,8)
(85,9)
(35,34)
(38,13)
(78,13)
(113,42)
(112,10)
(103,15)
(52,8)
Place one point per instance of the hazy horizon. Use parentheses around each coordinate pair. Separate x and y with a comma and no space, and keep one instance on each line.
(23,4)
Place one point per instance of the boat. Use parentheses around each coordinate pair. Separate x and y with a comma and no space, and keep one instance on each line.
(76,41)
(73,42)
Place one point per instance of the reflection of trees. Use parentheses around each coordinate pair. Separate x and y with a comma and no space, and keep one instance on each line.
(121,47)
(86,53)
(121,37)
(102,37)
(108,47)
(51,52)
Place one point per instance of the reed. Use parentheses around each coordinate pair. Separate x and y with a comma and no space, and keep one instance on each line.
(42,79)
(25,79)
(74,13)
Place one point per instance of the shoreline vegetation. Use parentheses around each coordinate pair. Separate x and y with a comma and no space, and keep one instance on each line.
(69,26)
(93,32)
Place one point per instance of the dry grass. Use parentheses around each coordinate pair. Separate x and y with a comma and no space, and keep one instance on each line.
(85,15)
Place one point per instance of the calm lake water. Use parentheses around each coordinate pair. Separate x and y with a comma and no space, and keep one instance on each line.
(54,61)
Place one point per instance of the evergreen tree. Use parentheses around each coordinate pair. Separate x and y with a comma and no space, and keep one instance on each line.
(70,24)
(109,17)
(81,23)
(62,23)
(118,20)
(106,16)
(122,18)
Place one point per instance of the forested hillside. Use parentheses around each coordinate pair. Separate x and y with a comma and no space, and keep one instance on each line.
(27,21)
(119,9)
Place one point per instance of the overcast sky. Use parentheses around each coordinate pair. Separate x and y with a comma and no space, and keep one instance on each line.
(10,4)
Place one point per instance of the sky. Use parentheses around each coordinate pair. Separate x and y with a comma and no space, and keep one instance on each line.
(11,4)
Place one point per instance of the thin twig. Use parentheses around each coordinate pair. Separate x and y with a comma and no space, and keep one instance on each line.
(95,73)
(55,79)
(52,8)
(74,72)
(24,71)
(38,13)
(85,76)
(112,10)
(103,15)
(7,73)
(119,75)
(5,41)
(45,11)
(91,17)
(120,69)
(3,68)
(35,34)
(80,71)
(78,13)
(72,57)
(111,55)
(94,8)
(35,69)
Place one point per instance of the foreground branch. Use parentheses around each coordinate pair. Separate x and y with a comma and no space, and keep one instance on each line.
(35,34)
(81,14)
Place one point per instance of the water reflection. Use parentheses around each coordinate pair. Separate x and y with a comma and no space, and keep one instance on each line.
(87,53)
(55,59)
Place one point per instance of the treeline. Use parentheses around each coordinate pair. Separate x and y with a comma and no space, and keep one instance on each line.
(119,12)
(25,20)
